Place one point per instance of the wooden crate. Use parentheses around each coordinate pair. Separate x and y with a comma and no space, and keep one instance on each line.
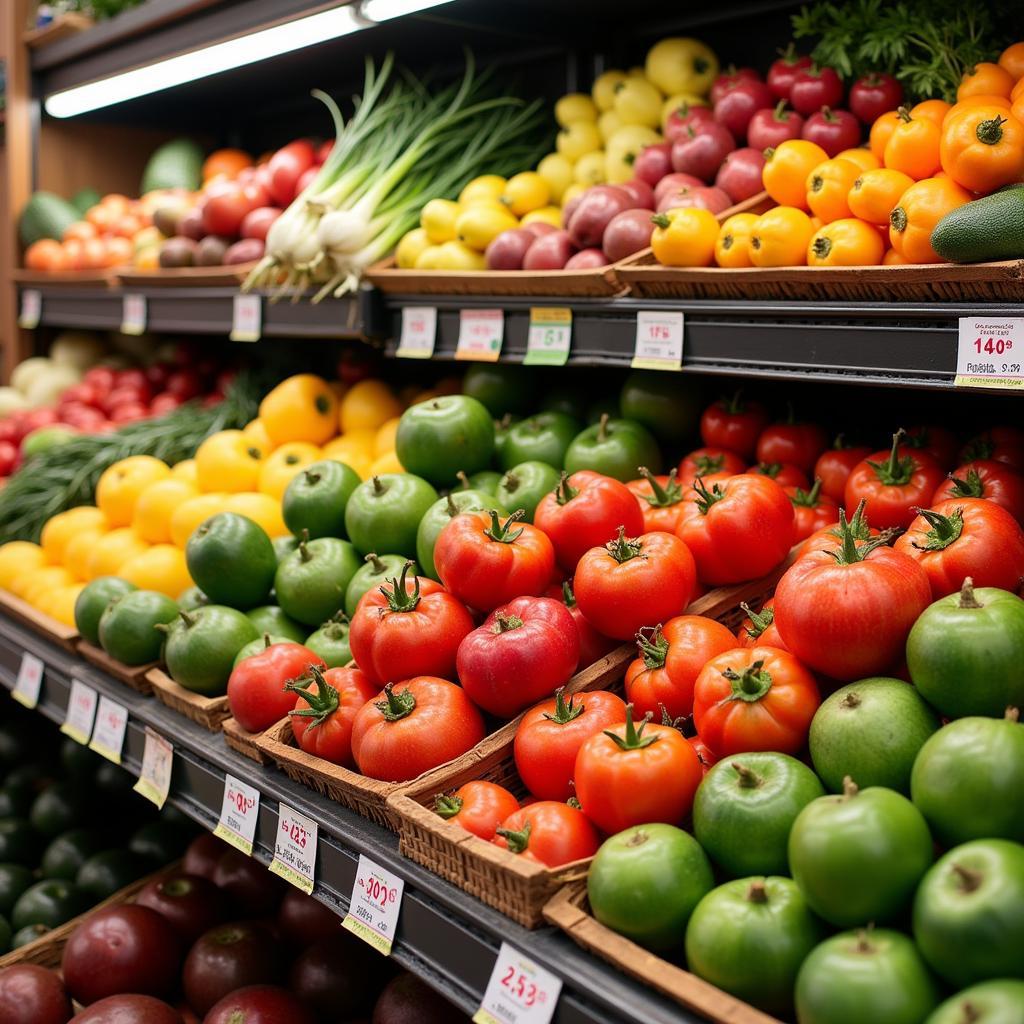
(131,675)
(243,741)
(66,278)
(185,277)
(570,911)
(45,625)
(209,712)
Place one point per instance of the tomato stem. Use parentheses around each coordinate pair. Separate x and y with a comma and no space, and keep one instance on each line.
(662,497)
(574,803)
(734,405)
(980,447)
(661,220)
(396,706)
(322,704)
(759,621)
(568,597)
(399,598)
(517,841)
(944,529)
(565,711)
(623,548)
(850,551)
(706,498)
(500,531)
(706,464)
(634,738)
(652,646)
(747,779)
(757,893)
(990,132)
(968,599)
(448,805)
(972,487)
(565,492)
(751,684)
(807,499)
(504,623)
(769,469)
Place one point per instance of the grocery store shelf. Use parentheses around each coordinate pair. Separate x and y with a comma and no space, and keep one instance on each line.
(445,936)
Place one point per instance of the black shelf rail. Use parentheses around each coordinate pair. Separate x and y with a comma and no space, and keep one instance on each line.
(444,936)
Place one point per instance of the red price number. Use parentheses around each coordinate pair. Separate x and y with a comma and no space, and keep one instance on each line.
(296,833)
(997,346)
(378,891)
(241,802)
(657,332)
(524,991)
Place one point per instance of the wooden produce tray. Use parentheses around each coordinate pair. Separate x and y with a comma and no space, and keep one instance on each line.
(131,675)
(209,712)
(243,741)
(45,625)
(185,277)
(66,278)
(570,911)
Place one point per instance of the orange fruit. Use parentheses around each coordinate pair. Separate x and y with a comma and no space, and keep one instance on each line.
(192,512)
(161,568)
(121,484)
(156,505)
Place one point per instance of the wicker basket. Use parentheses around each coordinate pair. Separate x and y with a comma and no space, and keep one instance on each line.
(45,625)
(209,712)
(569,911)
(131,675)
(243,741)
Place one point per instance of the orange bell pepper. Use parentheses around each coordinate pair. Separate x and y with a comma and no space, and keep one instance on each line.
(862,157)
(786,169)
(986,80)
(983,149)
(913,147)
(876,193)
(933,110)
(975,101)
(884,126)
(920,208)
(892,259)
(828,185)
(732,249)
(1018,90)
(780,238)
(846,243)
(1011,60)
(684,237)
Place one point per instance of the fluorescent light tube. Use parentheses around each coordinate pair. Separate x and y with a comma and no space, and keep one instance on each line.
(385,10)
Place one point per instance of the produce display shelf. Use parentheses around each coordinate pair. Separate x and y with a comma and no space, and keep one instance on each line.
(443,935)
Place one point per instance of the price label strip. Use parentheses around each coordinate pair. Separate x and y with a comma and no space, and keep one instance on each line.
(246,318)
(108,732)
(419,332)
(374,905)
(519,992)
(81,712)
(133,314)
(239,814)
(295,849)
(29,681)
(157,763)
(31,309)
(990,353)
(659,341)
(481,333)
(549,338)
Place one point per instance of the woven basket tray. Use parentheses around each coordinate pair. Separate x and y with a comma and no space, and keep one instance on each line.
(23,612)
(243,741)
(209,712)
(569,911)
(131,675)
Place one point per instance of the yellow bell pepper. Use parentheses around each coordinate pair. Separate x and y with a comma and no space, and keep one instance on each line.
(685,237)
(301,408)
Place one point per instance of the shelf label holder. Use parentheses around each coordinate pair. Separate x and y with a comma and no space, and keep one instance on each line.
(157,763)
(108,732)
(295,849)
(246,317)
(990,353)
(29,681)
(550,336)
(81,712)
(31,309)
(520,991)
(419,332)
(239,814)
(481,334)
(374,905)
(133,314)
(659,341)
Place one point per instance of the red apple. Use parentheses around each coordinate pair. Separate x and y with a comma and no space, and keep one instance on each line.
(772,125)
(833,130)
(701,153)
(740,174)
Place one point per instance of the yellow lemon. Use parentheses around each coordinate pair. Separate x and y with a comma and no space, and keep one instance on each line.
(590,169)
(17,557)
(458,256)
(42,581)
(637,101)
(353,451)
(576,106)
(367,405)
(62,603)
(256,431)
(556,170)
(487,186)
(608,124)
(156,505)
(603,89)
(191,513)
(121,484)
(526,191)
(228,461)
(384,442)
(260,508)
(79,551)
(284,463)
(438,221)
(409,248)
(578,139)
(428,259)
(113,550)
(161,568)
(545,215)
(575,190)
(62,528)
(186,470)
(386,463)
(478,225)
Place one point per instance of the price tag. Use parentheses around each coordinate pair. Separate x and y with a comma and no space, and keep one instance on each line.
(481,332)
(157,761)
(133,314)
(246,318)
(31,309)
(239,814)
(659,341)
(374,905)
(29,681)
(549,337)
(108,732)
(419,332)
(519,992)
(295,848)
(81,712)
(990,353)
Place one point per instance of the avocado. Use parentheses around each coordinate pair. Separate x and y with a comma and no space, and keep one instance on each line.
(991,228)
(45,215)
(85,199)
(176,164)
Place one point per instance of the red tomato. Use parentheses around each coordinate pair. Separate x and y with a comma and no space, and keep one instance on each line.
(783,72)
(593,645)
(258,694)
(1003,444)
(226,208)
(259,1004)
(785,474)
(834,465)
(966,537)
(417,725)
(550,736)
(815,87)
(8,458)
(190,903)
(130,412)
(522,653)
(758,629)
(670,658)
(585,510)
(325,710)
(634,776)
(739,530)
(126,1009)
(660,499)
(101,379)
(634,582)
(939,442)
(30,994)
(257,222)
(704,461)
(873,94)
(184,384)
(733,424)
(893,483)
(478,807)
(486,563)
(847,612)
(285,169)
(707,759)
(754,698)
(792,441)
(985,478)
(812,510)
(550,833)
(408,628)
(163,404)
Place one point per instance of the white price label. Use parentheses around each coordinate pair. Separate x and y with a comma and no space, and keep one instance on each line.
(133,314)
(31,309)
(419,332)
(990,353)
(659,341)
(481,332)
(519,992)
(81,712)
(246,318)
(549,337)
(108,732)
(295,848)
(29,681)
(374,905)
(239,814)
(157,762)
